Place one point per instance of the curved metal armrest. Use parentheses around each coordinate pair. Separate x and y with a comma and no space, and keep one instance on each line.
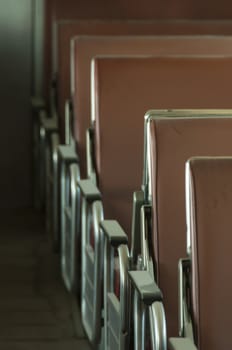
(68,122)
(67,154)
(114,233)
(138,202)
(185,320)
(90,154)
(89,190)
(147,289)
(116,323)
(181,344)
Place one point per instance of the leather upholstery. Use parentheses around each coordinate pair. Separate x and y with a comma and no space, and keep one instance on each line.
(173,141)
(210,232)
(125,89)
(86,47)
(55,10)
(68,29)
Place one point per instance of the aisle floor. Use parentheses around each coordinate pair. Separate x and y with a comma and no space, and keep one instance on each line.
(36,312)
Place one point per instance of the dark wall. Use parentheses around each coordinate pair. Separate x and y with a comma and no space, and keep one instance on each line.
(15,80)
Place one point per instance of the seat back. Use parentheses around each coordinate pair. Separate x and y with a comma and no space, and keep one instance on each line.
(173,140)
(83,48)
(65,30)
(209,191)
(123,88)
(68,29)
(56,11)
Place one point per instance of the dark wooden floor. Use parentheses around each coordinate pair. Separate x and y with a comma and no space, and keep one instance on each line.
(36,312)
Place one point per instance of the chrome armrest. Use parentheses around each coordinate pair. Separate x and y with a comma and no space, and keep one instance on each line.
(123,255)
(115,239)
(146,287)
(89,190)
(185,321)
(148,301)
(90,154)
(67,154)
(114,233)
(68,122)
(181,344)
(138,202)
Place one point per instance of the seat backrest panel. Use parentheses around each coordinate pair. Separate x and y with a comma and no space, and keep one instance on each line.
(211,240)
(126,89)
(173,142)
(86,47)
(68,29)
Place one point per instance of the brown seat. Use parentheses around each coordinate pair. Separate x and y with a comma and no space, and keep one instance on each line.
(124,90)
(86,47)
(210,194)
(172,142)
(58,10)
(126,87)
(68,29)
(72,10)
